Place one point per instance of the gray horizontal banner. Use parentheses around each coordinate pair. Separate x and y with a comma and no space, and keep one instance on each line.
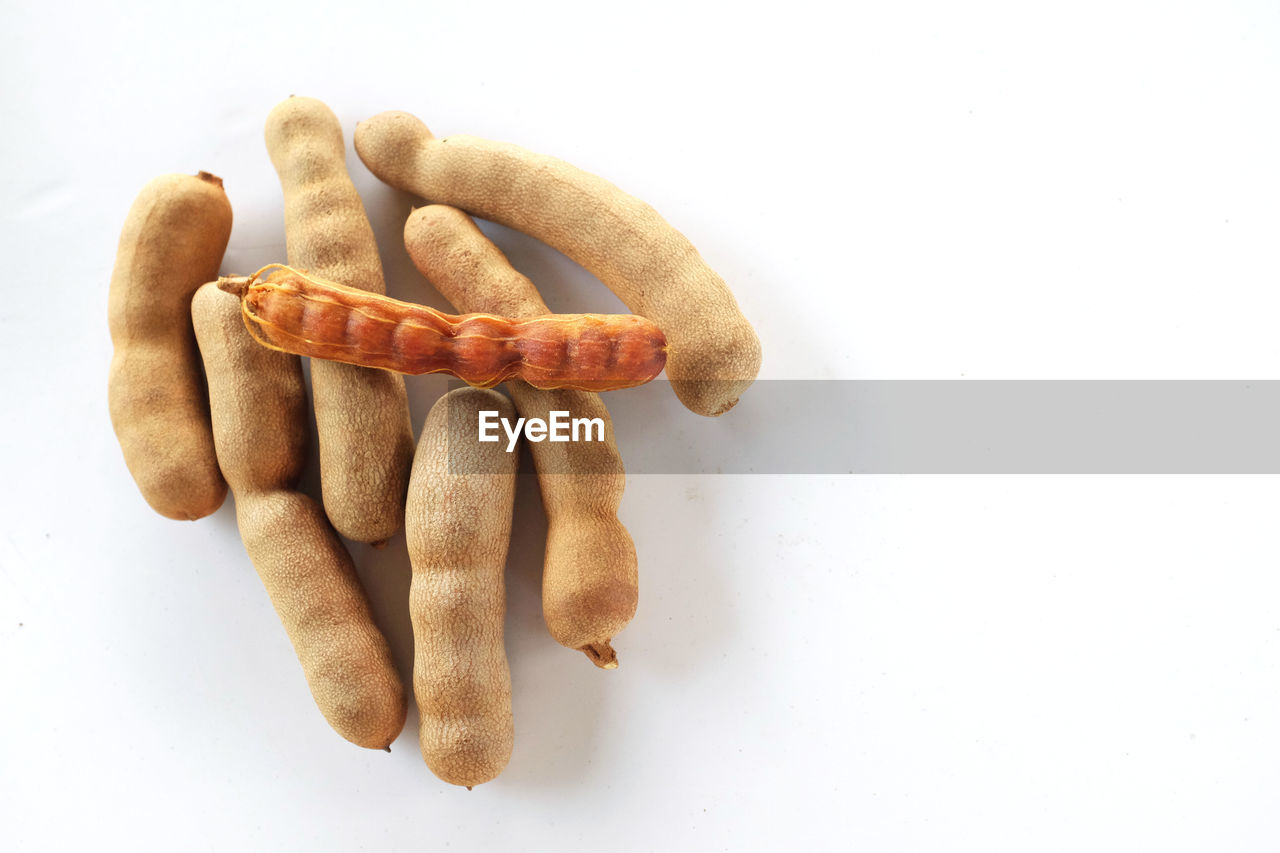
(957,427)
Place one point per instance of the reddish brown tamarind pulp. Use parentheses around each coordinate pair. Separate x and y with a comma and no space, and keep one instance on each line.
(286,309)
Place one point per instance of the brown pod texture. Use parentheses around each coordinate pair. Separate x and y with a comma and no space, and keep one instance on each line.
(714,353)
(172,242)
(362,415)
(258,402)
(589,577)
(292,311)
(458,525)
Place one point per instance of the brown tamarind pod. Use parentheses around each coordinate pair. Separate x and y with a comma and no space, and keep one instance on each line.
(362,415)
(289,310)
(172,242)
(258,403)
(589,577)
(652,267)
(458,525)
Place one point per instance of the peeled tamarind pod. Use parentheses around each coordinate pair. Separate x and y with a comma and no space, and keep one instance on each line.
(651,266)
(458,524)
(258,401)
(362,415)
(289,310)
(589,579)
(172,242)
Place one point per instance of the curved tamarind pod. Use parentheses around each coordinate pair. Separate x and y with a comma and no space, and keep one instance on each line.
(590,584)
(362,416)
(651,266)
(289,310)
(458,526)
(172,242)
(258,401)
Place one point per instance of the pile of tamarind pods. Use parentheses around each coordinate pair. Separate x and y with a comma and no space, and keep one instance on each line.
(206,393)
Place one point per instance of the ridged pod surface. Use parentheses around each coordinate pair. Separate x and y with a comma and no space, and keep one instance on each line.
(291,311)
(258,403)
(714,353)
(458,524)
(362,415)
(172,242)
(589,578)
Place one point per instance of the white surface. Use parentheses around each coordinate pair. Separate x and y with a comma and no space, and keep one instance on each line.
(920,663)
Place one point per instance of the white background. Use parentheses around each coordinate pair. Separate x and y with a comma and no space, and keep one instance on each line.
(874,663)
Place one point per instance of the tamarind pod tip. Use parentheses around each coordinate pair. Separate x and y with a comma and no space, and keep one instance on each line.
(209,178)
(601,654)
(236,284)
(388,746)
(469,787)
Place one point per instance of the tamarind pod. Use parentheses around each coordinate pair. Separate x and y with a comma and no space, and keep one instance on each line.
(458,525)
(258,403)
(589,577)
(362,415)
(172,242)
(714,353)
(289,310)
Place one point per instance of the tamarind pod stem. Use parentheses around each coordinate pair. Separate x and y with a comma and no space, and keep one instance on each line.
(289,310)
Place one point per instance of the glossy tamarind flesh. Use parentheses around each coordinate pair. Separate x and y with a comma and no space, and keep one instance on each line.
(287,309)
